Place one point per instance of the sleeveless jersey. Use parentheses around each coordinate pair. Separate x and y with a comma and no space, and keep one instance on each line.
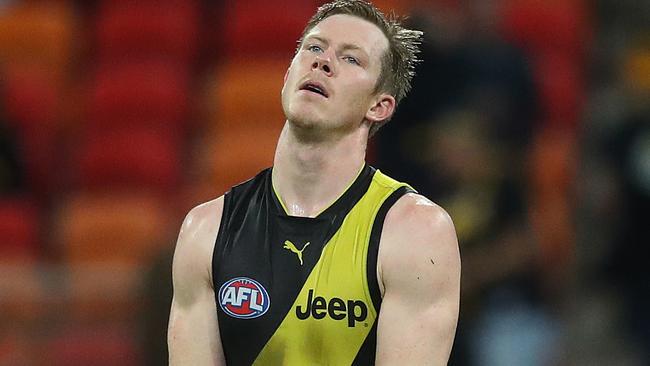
(300,291)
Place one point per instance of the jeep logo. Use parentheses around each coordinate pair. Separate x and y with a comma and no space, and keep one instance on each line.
(337,309)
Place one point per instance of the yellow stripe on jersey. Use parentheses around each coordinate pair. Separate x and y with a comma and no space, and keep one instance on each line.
(334,313)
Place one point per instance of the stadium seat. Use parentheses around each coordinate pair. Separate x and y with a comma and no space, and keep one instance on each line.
(547,26)
(553,167)
(32,96)
(92,345)
(145,29)
(237,154)
(250,89)
(137,158)
(259,28)
(23,295)
(106,241)
(561,89)
(136,93)
(636,69)
(109,292)
(37,33)
(125,227)
(33,106)
(17,347)
(19,230)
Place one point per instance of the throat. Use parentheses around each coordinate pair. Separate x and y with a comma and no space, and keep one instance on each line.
(310,196)
(308,177)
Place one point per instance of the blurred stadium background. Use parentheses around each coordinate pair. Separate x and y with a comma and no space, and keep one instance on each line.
(528,121)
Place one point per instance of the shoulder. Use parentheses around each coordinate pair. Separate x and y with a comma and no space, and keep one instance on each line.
(418,234)
(414,216)
(193,254)
(202,220)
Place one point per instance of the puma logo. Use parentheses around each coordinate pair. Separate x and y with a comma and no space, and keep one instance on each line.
(289,245)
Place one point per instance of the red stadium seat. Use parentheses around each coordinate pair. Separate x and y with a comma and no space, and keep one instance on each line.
(159,29)
(17,348)
(547,26)
(32,97)
(561,89)
(138,158)
(260,27)
(138,93)
(33,102)
(97,346)
(19,230)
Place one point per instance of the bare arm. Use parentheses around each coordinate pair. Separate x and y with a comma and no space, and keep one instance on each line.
(419,272)
(193,334)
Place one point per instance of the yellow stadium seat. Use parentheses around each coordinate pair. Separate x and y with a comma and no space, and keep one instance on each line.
(37,33)
(122,227)
(636,70)
(247,88)
(236,154)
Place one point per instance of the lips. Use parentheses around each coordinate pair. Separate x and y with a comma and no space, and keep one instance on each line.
(315,87)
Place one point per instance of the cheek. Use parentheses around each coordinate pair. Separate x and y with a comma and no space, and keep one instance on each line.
(289,75)
(288,83)
(360,93)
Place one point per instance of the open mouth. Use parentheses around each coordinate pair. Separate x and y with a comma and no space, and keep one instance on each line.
(315,88)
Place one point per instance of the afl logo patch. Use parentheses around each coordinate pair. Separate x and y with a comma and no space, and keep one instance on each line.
(244,298)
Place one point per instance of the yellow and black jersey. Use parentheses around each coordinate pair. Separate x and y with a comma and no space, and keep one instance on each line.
(300,291)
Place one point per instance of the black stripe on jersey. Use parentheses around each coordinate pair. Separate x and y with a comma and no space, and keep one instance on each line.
(225,214)
(373,245)
(368,351)
(244,207)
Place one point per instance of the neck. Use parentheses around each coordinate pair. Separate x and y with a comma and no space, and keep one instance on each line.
(310,174)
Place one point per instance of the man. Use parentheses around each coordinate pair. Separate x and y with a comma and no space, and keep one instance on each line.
(322,259)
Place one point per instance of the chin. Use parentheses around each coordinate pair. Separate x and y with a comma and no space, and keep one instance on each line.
(304,116)
(307,124)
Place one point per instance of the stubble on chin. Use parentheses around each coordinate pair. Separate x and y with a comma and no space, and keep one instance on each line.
(300,115)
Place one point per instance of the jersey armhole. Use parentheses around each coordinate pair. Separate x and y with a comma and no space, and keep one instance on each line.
(373,245)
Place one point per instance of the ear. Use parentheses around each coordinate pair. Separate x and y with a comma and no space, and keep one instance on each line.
(382,109)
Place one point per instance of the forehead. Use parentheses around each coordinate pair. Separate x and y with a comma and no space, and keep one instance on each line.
(349,29)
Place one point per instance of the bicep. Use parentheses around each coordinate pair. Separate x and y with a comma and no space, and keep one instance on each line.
(417,335)
(193,333)
(421,275)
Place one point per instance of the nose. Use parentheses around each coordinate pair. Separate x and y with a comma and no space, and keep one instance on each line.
(322,64)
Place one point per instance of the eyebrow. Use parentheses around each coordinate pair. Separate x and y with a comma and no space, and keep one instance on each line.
(344,46)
